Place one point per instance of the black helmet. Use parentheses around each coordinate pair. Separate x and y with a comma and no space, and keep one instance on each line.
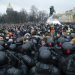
(50,41)
(28,60)
(61,39)
(3,58)
(68,65)
(44,54)
(1,47)
(67,47)
(12,46)
(13,71)
(46,69)
(19,41)
(42,68)
(26,46)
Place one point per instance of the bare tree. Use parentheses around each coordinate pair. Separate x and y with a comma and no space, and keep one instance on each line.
(33,13)
(23,16)
(42,15)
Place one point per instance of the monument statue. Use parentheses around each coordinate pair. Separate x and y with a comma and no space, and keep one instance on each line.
(51,10)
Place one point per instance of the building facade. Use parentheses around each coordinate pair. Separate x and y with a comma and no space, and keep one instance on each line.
(68,16)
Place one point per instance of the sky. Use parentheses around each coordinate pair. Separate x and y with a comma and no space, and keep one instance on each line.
(59,5)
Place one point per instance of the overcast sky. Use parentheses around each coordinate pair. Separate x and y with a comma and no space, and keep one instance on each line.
(59,5)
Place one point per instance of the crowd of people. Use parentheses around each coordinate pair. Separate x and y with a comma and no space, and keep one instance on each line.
(37,49)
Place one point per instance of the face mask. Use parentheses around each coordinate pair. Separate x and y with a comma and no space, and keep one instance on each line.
(38,32)
(27,37)
(10,40)
(7,37)
(26,40)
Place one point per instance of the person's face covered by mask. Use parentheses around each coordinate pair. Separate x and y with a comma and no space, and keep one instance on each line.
(10,40)
(1,38)
(7,38)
